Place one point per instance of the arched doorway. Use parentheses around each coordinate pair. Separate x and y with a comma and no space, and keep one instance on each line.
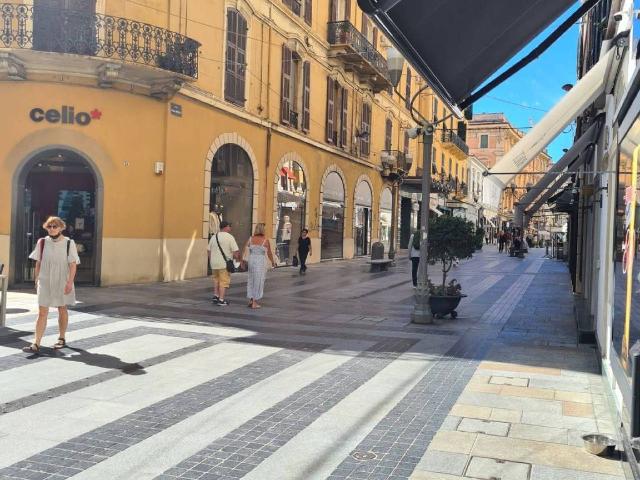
(386,209)
(58,182)
(231,190)
(291,186)
(362,218)
(332,217)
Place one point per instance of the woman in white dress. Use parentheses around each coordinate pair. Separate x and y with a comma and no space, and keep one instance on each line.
(56,263)
(259,250)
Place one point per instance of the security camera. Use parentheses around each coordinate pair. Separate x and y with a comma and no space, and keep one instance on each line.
(414,132)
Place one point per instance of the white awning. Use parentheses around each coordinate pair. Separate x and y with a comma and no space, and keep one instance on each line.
(490,222)
(585,92)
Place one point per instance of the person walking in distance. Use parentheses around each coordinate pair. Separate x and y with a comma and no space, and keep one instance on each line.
(57,260)
(500,241)
(414,256)
(222,248)
(304,250)
(259,250)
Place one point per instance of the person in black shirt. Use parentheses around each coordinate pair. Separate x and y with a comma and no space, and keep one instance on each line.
(304,249)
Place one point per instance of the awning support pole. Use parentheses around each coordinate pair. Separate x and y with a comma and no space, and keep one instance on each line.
(422,310)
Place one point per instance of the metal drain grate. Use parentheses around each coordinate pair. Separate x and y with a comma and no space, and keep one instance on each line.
(363,455)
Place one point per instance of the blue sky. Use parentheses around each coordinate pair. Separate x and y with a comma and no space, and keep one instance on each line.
(537,87)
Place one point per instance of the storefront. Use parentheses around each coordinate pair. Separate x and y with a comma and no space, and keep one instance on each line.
(290,210)
(231,190)
(333,196)
(386,205)
(362,218)
(61,183)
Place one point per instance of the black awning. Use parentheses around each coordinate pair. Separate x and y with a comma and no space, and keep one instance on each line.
(456,45)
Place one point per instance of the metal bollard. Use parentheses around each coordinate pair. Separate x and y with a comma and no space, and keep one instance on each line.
(4,284)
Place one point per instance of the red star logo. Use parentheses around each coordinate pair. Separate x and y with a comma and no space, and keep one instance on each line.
(95,114)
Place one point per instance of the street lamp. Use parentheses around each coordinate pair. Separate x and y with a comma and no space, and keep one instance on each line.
(422,310)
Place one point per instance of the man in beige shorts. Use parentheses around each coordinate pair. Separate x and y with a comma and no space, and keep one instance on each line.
(222,245)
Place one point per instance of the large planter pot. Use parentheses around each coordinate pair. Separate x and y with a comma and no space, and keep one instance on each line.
(442,305)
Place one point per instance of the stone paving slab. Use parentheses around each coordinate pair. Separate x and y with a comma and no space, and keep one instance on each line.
(309,389)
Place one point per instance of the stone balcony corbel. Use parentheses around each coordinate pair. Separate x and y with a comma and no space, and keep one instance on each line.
(166,90)
(108,73)
(11,68)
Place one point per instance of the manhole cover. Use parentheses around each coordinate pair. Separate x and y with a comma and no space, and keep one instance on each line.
(363,455)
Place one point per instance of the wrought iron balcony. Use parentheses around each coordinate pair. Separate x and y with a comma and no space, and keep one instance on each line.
(451,140)
(358,54)
(60,30)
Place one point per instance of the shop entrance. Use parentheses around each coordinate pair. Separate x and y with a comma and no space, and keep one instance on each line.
(231,191)
(363,218)
(332,217)
(57,182)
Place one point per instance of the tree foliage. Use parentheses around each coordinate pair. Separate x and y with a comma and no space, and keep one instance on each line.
(450,238)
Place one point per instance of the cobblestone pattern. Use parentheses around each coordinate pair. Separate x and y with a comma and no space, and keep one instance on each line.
(400,439)
(84,451)
(240,451)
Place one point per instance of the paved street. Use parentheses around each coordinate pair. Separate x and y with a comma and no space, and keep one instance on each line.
(327,380)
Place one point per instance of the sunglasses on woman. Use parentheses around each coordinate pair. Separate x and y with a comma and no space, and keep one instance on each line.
(52,226)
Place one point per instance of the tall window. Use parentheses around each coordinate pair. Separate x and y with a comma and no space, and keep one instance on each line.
(339,10)
(435,109)
(302,8)
(388,133)
(406,143)
(442,163)
(236,57)
(434,160)
(407,90)
(337,110)
(295,90)
(484,141)
(365,127)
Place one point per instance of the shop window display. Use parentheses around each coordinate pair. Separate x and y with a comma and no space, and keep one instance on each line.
(385,218)
(290,210)
(231,191)
(626,315)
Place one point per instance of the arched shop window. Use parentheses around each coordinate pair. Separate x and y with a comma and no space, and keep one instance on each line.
(332,217)
(362,220)
(290,209)
(231,191)
(385,218)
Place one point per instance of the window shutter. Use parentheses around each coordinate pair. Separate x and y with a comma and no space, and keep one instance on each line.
(406,143)
(407,93)
(308,7)
(285,103)
(365,127)
(388,132)
(343,119)
(347,10)
(365,25)
(235,59)
(306,96)
(333,10)
(330,107)
(375,38)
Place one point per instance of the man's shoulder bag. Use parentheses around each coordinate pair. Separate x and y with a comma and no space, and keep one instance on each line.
(230,266)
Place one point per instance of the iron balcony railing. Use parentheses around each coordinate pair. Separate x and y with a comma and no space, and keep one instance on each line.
(344,33)
(60,30)
(449,136)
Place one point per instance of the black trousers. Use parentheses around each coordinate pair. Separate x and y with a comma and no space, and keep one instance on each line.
(302,257)
(415,261)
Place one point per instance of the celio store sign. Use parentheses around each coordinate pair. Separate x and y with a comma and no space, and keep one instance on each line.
(66,115)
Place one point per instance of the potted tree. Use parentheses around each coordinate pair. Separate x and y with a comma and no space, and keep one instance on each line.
(450,238)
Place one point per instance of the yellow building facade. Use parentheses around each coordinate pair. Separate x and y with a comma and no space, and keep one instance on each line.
(145,124)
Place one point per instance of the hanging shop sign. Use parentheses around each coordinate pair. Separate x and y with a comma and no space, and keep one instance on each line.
(66,115)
